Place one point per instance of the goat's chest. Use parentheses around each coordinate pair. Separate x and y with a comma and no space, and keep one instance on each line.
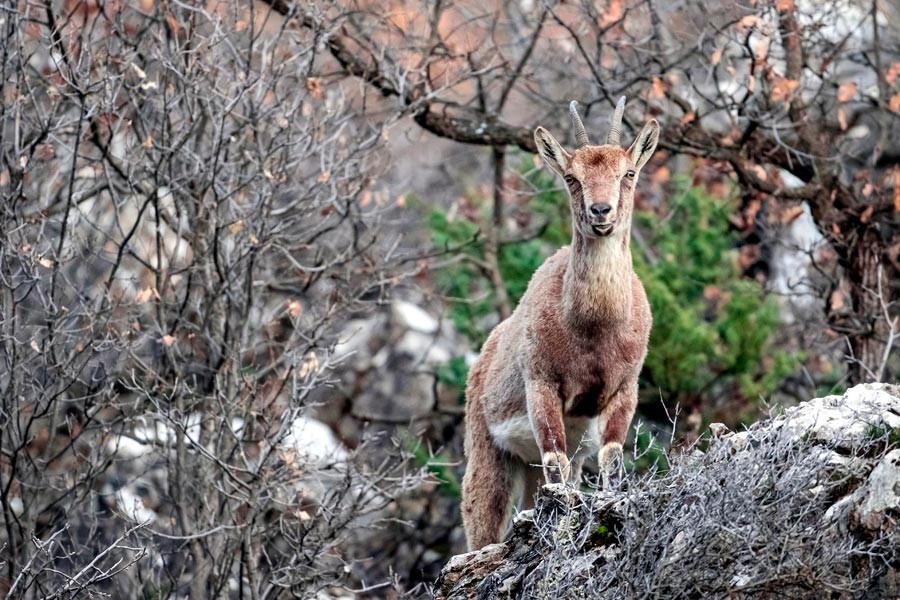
(592,371)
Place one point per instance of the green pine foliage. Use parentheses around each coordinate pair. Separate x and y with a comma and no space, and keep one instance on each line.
(713,331)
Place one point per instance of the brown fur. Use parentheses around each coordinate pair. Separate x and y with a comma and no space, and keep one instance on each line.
(558,378)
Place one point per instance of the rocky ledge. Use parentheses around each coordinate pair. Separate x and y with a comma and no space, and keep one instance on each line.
(803,505)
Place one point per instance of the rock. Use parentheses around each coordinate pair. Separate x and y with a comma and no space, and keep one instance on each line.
(800,505)
(410,316)
(879,507)
(387,365)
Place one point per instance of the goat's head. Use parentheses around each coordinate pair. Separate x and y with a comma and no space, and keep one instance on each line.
(601,179)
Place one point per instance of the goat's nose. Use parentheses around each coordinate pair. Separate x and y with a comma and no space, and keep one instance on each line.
(600,209)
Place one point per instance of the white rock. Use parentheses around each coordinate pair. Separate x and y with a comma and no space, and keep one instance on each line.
(315,442)
(413,317)
(882,493)
(132,506)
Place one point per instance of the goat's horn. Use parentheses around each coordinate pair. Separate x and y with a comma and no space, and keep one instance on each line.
(615,123)
(580,133)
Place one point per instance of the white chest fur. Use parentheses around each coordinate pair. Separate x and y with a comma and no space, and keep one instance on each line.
(516,436)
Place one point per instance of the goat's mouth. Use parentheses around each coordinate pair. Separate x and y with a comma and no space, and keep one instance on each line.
(602,229)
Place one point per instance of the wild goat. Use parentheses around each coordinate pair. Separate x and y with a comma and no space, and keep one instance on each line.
(558,378)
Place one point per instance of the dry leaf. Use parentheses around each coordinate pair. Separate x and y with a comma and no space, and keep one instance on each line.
(784,5)
(789,215)
(323,178)
(748,22)
(314,85)
(138,71)
(896,180)
(867,214)
(168,340)
(295,308)
(658,88)
(401,201)
(45,262)
(309,365)
(303,515)
(783,89)
(760,172)
(868,189)
(254,240)
(143,295)
(148,141)
(661,175)
(236,227)
(842,119)
(892,73)
(34,346)
(614,12)
(689,118)
(837,300)
(716,57)
(846,91)
(367,197)
(894,103)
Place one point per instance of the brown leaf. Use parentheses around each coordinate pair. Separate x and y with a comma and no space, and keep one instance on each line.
(314,85)
(295,308)
(716,57)
(842,119)
(894,103)
(783,89)
(837,300)
(168,340)
(236,227)
(892,73)
(323,178)
(846,91)
(748,22)
(867,214)
(784,5)
(658,88)
(614,12)
(896,179)
(143,295)
(789,215)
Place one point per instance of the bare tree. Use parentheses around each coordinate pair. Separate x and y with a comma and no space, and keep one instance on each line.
(187,213)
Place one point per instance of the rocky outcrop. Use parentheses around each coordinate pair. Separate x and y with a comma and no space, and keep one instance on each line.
(803,505)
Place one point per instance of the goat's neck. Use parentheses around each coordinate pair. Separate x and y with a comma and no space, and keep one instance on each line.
(597,284)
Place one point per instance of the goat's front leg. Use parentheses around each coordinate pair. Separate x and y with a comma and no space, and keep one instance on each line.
(614,421)
(545,414)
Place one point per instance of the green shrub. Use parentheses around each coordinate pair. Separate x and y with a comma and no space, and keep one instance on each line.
(713,330)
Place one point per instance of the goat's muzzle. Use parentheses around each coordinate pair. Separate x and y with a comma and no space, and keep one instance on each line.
(602,229)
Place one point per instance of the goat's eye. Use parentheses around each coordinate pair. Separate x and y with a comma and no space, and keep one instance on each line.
(629,174)
(570,179)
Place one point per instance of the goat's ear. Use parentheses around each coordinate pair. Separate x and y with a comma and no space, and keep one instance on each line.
(550,150)
(642,148)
